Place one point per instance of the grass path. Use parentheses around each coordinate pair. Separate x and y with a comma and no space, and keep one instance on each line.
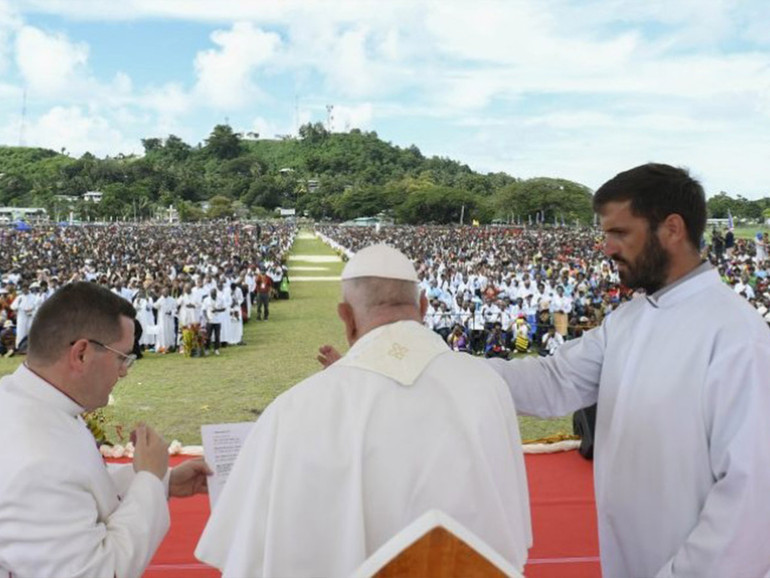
(177,395)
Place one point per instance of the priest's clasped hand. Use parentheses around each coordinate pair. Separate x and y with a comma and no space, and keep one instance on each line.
(150,451)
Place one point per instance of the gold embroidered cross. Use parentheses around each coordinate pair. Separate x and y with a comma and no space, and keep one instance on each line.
(398,351)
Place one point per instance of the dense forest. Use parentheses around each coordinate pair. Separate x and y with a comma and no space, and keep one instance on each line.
(322,174)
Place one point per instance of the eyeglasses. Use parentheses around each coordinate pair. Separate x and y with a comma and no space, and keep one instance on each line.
(126,359)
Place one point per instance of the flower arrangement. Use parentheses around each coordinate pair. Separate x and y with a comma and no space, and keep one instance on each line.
(96,423)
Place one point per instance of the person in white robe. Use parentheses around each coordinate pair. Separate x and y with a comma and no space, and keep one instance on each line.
(215,311)
(189,322)
(342,462)
(223,289)
(682,381)
(236,314)
(200,293)
(551,341)
(760,245)
(166,307)
(62,512)
(25,305)
(146,318)
(251,285)
(189,305)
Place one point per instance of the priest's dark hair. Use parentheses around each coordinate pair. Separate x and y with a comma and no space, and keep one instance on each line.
(76,311)
(657,191)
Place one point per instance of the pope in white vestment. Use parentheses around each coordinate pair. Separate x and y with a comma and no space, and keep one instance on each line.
(58,497)
(682,444)
(340,463)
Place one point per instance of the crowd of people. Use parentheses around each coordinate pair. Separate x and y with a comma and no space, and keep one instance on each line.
(193,285)
(495,291)
(401,425)
(492,291)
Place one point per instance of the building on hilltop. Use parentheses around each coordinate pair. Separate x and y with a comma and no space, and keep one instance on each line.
(93,196)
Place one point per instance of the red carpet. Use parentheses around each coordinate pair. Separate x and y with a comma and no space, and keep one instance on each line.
(561,492)
(563,519)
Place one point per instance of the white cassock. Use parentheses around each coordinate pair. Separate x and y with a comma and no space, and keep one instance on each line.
(62,511)
(25,306)
(343,461)
(200,296)
(146,319)
(227,331)
(251,285)
(682,452)
(189,310)
(236,316)
(166,307)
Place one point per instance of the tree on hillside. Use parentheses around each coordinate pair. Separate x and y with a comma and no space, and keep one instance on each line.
(740,207)
(189,212)
(152,145)
(267,192)
(718,205)
(361,201)
(176,149)
(313,133)
(219,207)
(223,143)
(441,204)
(551,198)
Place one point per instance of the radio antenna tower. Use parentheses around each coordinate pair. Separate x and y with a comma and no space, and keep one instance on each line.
(329,116)
(22,126)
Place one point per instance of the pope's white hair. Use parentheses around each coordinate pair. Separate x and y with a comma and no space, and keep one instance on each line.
(367,293)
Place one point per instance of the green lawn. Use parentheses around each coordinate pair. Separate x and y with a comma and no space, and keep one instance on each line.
(743,232)
(177,394)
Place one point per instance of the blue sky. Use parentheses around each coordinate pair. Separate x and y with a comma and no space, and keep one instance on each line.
(577,90)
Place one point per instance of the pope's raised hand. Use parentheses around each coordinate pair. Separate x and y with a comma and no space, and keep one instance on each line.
(189,478)
(327,355)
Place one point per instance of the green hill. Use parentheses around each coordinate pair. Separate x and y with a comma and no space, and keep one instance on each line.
(321,174)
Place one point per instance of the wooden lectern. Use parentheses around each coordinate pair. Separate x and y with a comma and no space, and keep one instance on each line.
(436,546)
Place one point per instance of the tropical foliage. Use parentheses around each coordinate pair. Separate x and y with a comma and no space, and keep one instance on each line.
(322,174)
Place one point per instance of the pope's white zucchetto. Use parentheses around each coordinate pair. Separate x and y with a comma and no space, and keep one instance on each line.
(380,261)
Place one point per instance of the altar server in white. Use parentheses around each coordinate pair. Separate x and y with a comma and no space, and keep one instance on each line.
(167,307)
(400,425)
(189,305)
(25,305)
(144,315)
(682,380)
(62,511)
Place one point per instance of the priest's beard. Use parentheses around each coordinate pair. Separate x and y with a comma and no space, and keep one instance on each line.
(650,268)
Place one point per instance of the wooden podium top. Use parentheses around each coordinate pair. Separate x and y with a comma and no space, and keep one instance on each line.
(437,546)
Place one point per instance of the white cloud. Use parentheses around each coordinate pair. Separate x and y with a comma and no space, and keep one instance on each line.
(350,69)
(269,129)
(10,21)
(48,62)
(350,117)
(75,130)
(264,11)
(226,73)
(169,101)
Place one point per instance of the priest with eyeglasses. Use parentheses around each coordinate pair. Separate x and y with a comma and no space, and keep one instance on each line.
(62,511)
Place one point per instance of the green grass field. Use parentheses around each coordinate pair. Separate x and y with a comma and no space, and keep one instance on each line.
(177,395)
(743,232)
